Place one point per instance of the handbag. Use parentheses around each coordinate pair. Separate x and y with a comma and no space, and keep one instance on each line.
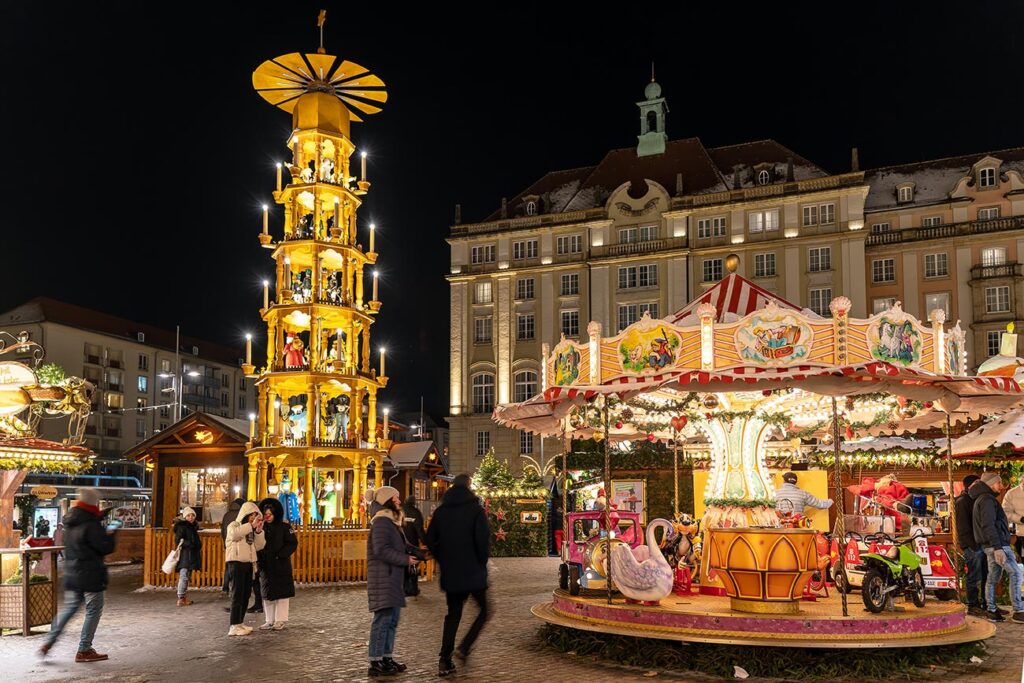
(171,561)
(411,581)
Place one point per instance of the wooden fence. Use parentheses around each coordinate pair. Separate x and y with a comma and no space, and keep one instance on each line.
(323,556)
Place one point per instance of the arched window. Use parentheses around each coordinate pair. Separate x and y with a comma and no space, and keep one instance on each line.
(531,208)
(483,392)
(525,385)
(763,177)
(652,122)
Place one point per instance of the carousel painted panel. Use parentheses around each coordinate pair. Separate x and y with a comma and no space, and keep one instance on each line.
(956,352)
(647,347)
(568,364)
(858,348)
(823,350)
(726,352)
(898,338)
(770,337)
(689,356)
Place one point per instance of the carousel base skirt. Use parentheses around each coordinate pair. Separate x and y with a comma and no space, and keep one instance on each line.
(820,624)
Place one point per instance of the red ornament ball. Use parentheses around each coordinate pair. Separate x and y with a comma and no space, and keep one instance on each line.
(651,437)
(766,392)
(618,425)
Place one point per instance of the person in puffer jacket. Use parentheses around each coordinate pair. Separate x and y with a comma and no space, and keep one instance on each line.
(992,532)
(244,539)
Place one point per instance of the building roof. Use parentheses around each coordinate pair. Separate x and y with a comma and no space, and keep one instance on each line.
(703,170)
(44,309)
(733,297)
(410,455)
(933,180)
(236,429)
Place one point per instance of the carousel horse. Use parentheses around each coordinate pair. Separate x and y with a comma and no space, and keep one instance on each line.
(643,574)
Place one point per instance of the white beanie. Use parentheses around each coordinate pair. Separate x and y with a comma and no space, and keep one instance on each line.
(186,511)
(89,496)
(991,478)
(384,494)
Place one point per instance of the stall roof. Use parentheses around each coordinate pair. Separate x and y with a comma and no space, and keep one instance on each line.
(410,455)
(1009,429)
(237,430)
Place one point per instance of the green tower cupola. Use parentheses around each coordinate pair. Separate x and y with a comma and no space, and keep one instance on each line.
(653,111)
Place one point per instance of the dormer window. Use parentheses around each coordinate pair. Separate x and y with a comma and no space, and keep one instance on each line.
(905,193)
(531,208)
(987,177)
(763,177)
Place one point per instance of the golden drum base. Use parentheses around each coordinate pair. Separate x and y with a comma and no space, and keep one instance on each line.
(764,607)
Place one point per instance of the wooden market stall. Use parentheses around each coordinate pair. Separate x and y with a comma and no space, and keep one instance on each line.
(416,468)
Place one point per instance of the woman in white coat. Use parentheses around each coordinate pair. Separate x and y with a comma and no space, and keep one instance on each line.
(243,540)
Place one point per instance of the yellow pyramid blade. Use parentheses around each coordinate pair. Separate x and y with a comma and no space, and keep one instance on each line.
(295,63)
(347,70)
(361,106)
(366,80)
(321,65)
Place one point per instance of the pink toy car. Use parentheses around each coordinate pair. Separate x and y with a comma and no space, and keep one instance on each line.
(582,550)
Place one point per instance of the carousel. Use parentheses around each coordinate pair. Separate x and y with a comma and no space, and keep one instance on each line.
(736,380)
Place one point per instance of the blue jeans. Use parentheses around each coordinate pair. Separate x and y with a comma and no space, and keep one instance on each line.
(382,633)
(183,575)
(995,573)
(976,565)
(93,610)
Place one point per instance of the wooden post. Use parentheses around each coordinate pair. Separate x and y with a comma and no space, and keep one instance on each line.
(26,629)
(10,481)
(952,507)
(307,512)
(147,560)
(608,499)
(378,471)
(839,532)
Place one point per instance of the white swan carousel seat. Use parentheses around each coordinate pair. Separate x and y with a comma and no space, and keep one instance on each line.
(643,574)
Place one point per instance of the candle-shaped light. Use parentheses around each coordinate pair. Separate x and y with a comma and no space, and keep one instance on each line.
(362,166)
(252,430)
(266,294)
(277,415)
(278,166)
(382,361)
(374,286)
(387,418)
(287,273)
(373,232)
(266,219)
(248,349)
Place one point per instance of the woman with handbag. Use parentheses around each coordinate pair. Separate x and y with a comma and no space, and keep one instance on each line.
(190,552)
(387,561)
(275,562)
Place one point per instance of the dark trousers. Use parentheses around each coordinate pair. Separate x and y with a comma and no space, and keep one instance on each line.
(976,566)
(456,601)
(241,586)
(256,591)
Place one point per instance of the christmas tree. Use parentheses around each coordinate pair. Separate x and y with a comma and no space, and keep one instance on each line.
(493,474)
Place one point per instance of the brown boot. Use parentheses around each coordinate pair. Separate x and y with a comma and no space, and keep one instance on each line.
(184,602)
(90,655)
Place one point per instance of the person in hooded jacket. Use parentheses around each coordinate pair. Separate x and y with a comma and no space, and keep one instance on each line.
(460,539)
(230,515)
(190,558)
(275,560)
(992,532)
(412,523)
(86,543)
(386,562)
(244,540)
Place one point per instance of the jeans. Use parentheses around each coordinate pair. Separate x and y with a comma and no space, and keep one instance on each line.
(183,575)
(382,633)
(241,586)
(277,610)
(995,573)
(93,610)
(456,601)
(976,565)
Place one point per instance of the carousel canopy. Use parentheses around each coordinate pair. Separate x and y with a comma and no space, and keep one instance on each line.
(733,297)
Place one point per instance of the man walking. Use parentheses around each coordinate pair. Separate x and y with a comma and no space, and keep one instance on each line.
(85,574)
(459,537)
(992,532)
(974,556)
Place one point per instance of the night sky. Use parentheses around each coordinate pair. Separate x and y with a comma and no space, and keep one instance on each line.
(137,153)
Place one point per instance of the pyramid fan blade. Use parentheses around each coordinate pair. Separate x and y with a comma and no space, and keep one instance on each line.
(373,95)
(365,80)
(361,106)
(296,64)
(321,65)
(347,70)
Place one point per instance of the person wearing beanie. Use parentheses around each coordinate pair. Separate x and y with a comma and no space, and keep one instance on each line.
(992,533)
(190,557)
(244,540)
(974,556)
(86,543)
(387,559)
(460,538)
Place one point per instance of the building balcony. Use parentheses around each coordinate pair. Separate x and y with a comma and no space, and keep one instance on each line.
(982,272)
(940,232)
(638,248)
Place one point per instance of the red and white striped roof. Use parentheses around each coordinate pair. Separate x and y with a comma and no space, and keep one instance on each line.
(736,295)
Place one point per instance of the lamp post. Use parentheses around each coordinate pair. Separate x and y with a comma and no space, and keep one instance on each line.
(177,388)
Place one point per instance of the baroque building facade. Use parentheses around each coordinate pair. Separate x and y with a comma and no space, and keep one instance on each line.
(650,228)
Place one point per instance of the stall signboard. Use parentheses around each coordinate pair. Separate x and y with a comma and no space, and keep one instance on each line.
(44,492)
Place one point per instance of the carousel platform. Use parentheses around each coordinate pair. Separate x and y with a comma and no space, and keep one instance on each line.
(819,624)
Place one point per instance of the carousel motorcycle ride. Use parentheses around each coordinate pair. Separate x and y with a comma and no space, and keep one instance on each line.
(891,573)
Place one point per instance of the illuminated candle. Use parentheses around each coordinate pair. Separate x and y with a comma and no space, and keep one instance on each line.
(373,231)
(277,414)
(374,286)
(362,166)
(248,349)
(266,219)
(266,294)
(278,165)
(252,432)
(387,417)
(382,361)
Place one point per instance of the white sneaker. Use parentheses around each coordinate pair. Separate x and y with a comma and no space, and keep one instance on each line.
(279,625)
(246,630)
(234,631)
(267,626)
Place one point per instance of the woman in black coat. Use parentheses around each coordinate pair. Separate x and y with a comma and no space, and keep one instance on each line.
(190,557)
(386,564)
(275,562)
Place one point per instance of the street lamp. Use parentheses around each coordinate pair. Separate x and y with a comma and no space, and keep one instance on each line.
(177,388)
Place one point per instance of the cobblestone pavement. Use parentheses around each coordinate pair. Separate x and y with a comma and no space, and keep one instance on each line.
(150,639)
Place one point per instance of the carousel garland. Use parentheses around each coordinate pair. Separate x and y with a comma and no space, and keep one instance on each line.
(739,503)
(48,466)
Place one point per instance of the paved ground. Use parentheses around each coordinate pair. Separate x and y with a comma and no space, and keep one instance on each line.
(149,639)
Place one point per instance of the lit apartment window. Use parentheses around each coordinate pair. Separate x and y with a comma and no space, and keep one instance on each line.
(883,304)
(638,276)
(483,443)
(141,403)
(524,326)
(764,265)
(879,228)
(524,385)
(987,177)
(570,284)
(819,300)
(531,208)
(114,401)
(993,256)
(525,443)
(937,300)
(712,269)
(931,221)
(143,362)
(483,392)
(524,249)
(165,366)
(482,330)
(936,265)
(571,323)
(711,227)
(524,288)
(143,384)
(630,313)
(819,259)
(763,221)
(482,294)
(988,213)
(569,244)
(482,254)
(821,213)
(992,342)
(763,177)
(997,299)
(905,194)
(883,270)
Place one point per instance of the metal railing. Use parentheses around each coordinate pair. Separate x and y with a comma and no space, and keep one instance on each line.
(938,232)
(637,248)
(983,272)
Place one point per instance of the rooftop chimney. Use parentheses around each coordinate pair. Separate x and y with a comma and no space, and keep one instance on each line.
(679,184)
(458,214)
(504,207)
(854,160)
(736,178)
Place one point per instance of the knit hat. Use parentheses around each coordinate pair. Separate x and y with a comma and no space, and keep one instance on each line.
(88,496)
(990,478)
(186,511)
(970,479)
(384,494)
